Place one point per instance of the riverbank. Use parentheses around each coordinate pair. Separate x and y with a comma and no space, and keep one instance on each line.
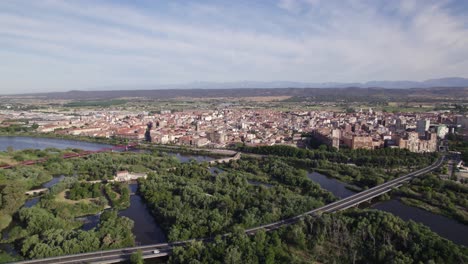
(101,140)
(440,196)
(116,141)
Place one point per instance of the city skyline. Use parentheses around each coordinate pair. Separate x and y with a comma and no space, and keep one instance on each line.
(65,45)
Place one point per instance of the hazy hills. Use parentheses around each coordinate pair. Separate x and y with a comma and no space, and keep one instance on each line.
(442,82)
(315,94)
(450,88)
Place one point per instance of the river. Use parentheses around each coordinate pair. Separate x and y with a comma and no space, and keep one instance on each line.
(146,230)
(187,157)
(19,143)
(445,227)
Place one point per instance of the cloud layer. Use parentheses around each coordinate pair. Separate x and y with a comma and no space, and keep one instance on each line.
(64,45)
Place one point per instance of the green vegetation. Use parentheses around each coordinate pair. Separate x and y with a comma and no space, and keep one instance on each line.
(363,168)
(50,228)
(189,202)
(438,196)
(348,237)
(457,143)
(85,190)
(103,166)
(386,157)
(118,194)
(12,157)
(104,103)
(18,128)
(7,258)
(13,184)
(16,181)
(47,235)
(137,257)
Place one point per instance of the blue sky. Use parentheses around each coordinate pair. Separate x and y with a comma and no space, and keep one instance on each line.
(52,45)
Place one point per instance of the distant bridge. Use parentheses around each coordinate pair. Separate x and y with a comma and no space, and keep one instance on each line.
(37,191)
(164,249)
(72,155)
(227,160)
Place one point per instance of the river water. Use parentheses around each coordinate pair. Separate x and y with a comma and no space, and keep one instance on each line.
(445,227)
(332,185)
(147,231)
(19,143)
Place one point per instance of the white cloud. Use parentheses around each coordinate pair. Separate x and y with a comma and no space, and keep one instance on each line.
(318,41)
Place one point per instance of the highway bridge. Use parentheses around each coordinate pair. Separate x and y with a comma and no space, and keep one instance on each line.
(164,249)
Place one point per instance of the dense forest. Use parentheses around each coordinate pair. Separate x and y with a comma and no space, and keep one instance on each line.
(392,158)
(457,143)
(439,196)
(353,236)
(363,168)
(190,202)
(50,228)
(48,235)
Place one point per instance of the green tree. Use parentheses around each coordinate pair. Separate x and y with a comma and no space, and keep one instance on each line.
(137,257)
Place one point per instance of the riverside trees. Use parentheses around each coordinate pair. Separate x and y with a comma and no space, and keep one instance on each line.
(358,236)
(386,157)
(190,202)
(363,168)
(46,235)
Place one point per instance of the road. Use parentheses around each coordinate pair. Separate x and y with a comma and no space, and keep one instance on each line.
(118,255)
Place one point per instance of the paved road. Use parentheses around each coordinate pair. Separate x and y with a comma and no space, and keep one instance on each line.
(117,255)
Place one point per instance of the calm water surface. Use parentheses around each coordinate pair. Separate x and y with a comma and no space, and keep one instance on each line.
(19,143)
(146,230)
(330,184)
(31,202)
(441,225)
(187,157)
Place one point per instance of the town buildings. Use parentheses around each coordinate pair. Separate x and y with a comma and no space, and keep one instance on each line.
(220,128)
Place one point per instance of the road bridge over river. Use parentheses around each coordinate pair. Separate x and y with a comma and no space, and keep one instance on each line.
(164,249)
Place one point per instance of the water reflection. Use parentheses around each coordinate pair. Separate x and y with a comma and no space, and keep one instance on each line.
(90,221)
(19,143)
(52,182)
(187,157)
(442,225)
(332,185)
(146,230)
(31,202)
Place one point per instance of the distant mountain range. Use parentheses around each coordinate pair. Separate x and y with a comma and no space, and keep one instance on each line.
(442,82)
(455,88)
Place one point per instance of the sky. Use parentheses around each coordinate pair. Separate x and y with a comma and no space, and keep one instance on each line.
(52,45)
